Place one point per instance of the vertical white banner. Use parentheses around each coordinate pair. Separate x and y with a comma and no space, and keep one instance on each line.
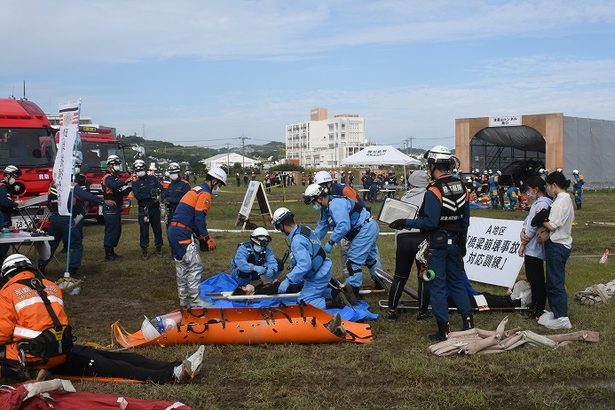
(63,166)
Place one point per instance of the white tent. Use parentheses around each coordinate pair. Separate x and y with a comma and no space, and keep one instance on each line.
(381,155)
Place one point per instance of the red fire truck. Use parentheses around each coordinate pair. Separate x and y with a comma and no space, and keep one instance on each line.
(26,140)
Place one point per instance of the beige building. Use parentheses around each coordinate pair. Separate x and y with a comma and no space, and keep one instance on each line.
(323,142)
(554,140)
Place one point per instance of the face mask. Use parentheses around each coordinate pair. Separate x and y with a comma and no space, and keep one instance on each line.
(174,177)
(11,181)
(215,191)
(258,248)
(316,206)
(77,170)
(141,173)
(117,168)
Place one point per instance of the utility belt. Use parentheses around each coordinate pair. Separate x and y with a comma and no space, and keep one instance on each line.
(180,225)
(50,343)
(354,231)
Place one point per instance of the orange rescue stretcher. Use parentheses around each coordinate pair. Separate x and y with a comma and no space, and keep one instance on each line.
(303,324)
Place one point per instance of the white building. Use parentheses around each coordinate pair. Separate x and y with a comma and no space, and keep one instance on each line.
(229,159)
(323,142)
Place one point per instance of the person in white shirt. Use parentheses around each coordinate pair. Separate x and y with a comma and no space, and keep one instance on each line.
(557,251)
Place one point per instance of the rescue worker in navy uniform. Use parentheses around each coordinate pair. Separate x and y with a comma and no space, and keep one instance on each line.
(7,205)
(255,264)
(310,264)
(35,335)
(59,224)
(114,190)
(189,222)
(175,191)
(147,190)
(445,218)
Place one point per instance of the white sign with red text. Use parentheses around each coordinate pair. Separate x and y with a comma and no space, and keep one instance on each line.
(63,166)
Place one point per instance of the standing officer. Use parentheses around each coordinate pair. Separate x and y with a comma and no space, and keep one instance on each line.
(351,221)
(175,191)
(577,185)
(310,264)
(59,224)
(444,217)
(114,190)
(188,221)
(147,190)
(11,173)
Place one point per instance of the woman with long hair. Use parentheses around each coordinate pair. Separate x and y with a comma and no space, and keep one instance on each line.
(532,249)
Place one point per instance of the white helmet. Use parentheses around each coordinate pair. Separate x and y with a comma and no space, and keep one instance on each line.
(260,236)
(312,192)
(575,172)
(542,171)
(113,160)
(15,263)
(322,177)
(149,330)
(455,170)
(12,170)
(218,173)
(438,155)
(279,216)
(139,165)
(498,172)
(174,168)
(560,170)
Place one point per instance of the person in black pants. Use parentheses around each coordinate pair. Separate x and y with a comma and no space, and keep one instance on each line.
(532,250)
(408,242)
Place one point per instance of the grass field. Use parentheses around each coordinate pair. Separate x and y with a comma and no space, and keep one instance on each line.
(396,371)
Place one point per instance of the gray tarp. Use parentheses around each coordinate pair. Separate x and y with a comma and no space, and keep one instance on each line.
(589,146)
(521,137)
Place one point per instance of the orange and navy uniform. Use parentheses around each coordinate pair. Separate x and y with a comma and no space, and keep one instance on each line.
(23,316)
(191,212)
(111,188)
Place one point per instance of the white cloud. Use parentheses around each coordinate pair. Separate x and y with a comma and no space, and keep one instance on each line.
(125,31)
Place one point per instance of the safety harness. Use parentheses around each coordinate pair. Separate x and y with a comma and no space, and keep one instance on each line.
(54,341)
(305,231)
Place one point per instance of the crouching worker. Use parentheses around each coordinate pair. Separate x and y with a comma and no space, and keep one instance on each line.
(37,339)
(254,265)
(309,261)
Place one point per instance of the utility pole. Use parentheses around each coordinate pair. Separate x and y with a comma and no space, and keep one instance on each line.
(243,150)
(406,141)
(228,154)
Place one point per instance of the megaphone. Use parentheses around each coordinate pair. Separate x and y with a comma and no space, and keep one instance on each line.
(18,188)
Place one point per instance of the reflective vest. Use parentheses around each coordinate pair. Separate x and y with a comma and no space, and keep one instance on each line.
(30,320)
(453,196)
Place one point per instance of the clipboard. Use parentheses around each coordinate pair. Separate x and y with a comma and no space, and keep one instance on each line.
(393,209)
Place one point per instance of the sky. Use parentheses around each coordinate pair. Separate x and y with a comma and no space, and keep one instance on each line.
(208,72)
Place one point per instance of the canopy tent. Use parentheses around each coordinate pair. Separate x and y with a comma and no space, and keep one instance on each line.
(381,155)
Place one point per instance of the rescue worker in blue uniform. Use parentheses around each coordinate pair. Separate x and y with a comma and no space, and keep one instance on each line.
(147,190)
(444,217)
(255,264)
(175,191)
(351,221)
(577,185)
(114,190)
(493,191)
(7,205)
(513,194)
(310,264)
(59,224)
(189,222)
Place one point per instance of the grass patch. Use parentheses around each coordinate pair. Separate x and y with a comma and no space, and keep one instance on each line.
(396,371)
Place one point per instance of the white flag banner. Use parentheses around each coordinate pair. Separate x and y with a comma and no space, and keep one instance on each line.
(492,251)
(63,166)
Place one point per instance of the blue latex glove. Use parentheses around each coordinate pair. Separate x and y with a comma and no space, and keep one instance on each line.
(284,286)
(260,269)
(328,247)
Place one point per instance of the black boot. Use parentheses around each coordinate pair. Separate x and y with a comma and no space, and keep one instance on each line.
(423,315)
(378,283)
(443,331)
(350,295)
(392,314)
(109,254)
(159,251)
(74,272)
(468,322)
(115,255)
(143,253)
